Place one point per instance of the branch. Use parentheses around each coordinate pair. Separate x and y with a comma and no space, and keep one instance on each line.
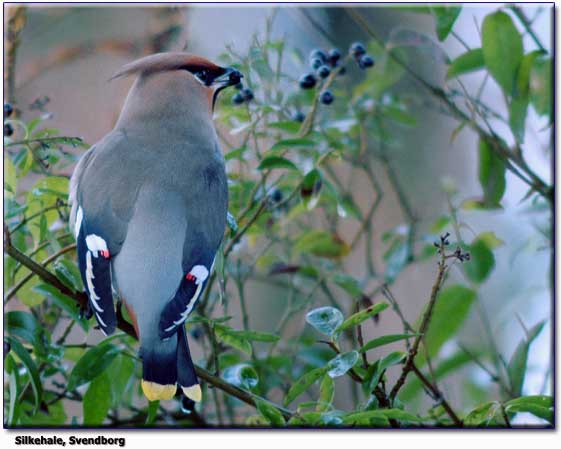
(126,327)
(442,269)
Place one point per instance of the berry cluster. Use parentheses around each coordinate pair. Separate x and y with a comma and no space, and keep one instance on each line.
(322,64)
(363,60)
(8,111)
(245,94)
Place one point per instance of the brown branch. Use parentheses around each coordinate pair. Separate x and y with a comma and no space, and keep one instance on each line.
(409,363)
(437,395)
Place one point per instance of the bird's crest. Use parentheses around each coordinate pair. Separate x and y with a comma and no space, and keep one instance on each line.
(161,62)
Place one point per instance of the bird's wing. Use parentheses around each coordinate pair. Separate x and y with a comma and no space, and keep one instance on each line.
(206,220)
(102,195)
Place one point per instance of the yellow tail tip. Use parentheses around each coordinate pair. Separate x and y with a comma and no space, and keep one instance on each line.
(193,392)
(158,392)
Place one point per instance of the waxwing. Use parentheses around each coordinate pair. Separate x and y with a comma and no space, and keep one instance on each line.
(149,205)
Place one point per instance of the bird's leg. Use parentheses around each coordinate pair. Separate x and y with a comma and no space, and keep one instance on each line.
(86,311)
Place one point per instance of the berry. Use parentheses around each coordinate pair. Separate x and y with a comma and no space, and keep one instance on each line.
(357,49)
(334,56)
(365,62)
(8,130)
(319,54)
(276,195)
(326,97)
(247,94)
(238,98)
(196,333)
(323,71)
(238,86)
(8,109)
(299,116)
(316,63)
(342,71)
(307,81)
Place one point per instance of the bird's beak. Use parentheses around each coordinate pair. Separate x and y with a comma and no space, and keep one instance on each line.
(230,77)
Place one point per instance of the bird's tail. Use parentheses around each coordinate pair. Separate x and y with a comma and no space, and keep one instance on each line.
(168,365)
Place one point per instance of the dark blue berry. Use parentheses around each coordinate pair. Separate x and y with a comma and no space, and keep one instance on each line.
(8,109)
(357,49)
(323,71)
(8,130)
(238,86)
(299,116)
(276,195)
(365,62)
(307,81)
(247,94)
(316,63)
(238,98)
(326,97)
(319,54)
(196,333)
(334,56)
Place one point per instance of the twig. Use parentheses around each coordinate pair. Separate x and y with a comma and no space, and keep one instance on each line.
(438,396)
(442,269)
(16,22)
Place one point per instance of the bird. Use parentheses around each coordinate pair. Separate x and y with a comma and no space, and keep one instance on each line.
(149,205)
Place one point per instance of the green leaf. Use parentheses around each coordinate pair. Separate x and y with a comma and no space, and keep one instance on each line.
(326,394)
(10,178)
(450,311)
(321,244)
(241,375)
(491,175)
(287,126)
(339,365)
(396,258)
(121,373)
(270,413)
(237,153)
(470,61)
(377,369)
(25,326)
(293,143)
(490,239)
(347,283)
(481,263)
(303,383)
(399,115)
(18,349)
(541,87)
(482,415)
(152,412)
(64,302)
(540,406)
(68,273)
(232,338)
(502,49)
(384,415)
(384,340)
(445,17)
(325,319)
(361,316)
(258,336)
(517,364)
(521,97)
(97,401)
(272,162)
(94,361)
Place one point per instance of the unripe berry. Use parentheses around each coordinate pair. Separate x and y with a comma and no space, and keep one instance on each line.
(8,129)
(326,97)
(307,81)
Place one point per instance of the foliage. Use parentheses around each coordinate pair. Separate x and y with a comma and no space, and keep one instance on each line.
(287,206)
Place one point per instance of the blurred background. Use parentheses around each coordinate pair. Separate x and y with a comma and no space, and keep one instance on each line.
(67,54)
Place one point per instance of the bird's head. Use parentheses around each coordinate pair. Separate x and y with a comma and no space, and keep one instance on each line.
(179,79)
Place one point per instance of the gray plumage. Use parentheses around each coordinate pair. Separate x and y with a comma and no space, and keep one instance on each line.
(155,190)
